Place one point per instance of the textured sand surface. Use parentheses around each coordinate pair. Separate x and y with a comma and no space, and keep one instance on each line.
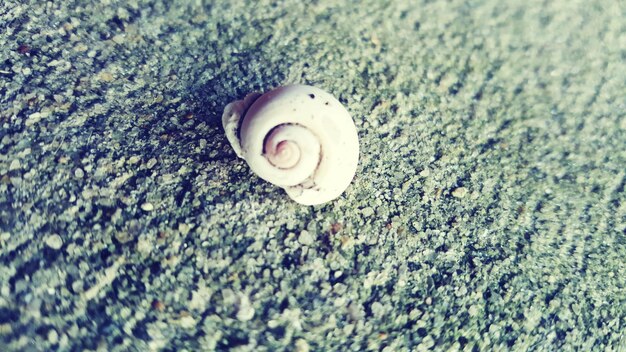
(488,210)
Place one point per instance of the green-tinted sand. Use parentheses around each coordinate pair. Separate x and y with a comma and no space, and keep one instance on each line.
(488,211)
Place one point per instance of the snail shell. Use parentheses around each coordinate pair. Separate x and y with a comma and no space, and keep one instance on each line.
(297,137)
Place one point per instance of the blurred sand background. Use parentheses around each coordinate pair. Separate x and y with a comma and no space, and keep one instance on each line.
(488,211)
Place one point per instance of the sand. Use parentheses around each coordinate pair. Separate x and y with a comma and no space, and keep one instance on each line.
(488,211)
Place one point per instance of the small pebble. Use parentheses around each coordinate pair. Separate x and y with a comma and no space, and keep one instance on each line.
(246,311)
(118,39)
(302,345)
(122,237)
(53,336)
(54,241)
(305,238)
(367,211)
(78,286)
(459,192)
(183,229)
(144,246)
(15,165)
(81,48)
(151,163)
(187,322)
(106,77)
(147,206)
(377,309)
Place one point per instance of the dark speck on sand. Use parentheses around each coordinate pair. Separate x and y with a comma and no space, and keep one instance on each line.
(488,211)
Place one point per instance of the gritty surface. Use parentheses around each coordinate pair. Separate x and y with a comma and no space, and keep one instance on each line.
(488,210)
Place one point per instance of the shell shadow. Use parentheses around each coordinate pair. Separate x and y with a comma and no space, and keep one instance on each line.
(191,134)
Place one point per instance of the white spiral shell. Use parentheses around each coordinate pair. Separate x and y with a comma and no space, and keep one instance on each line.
(297,137)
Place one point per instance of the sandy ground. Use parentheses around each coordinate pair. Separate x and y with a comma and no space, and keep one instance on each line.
(488,211)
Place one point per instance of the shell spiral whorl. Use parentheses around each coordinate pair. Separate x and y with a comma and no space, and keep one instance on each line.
(284,154)
(297,137)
